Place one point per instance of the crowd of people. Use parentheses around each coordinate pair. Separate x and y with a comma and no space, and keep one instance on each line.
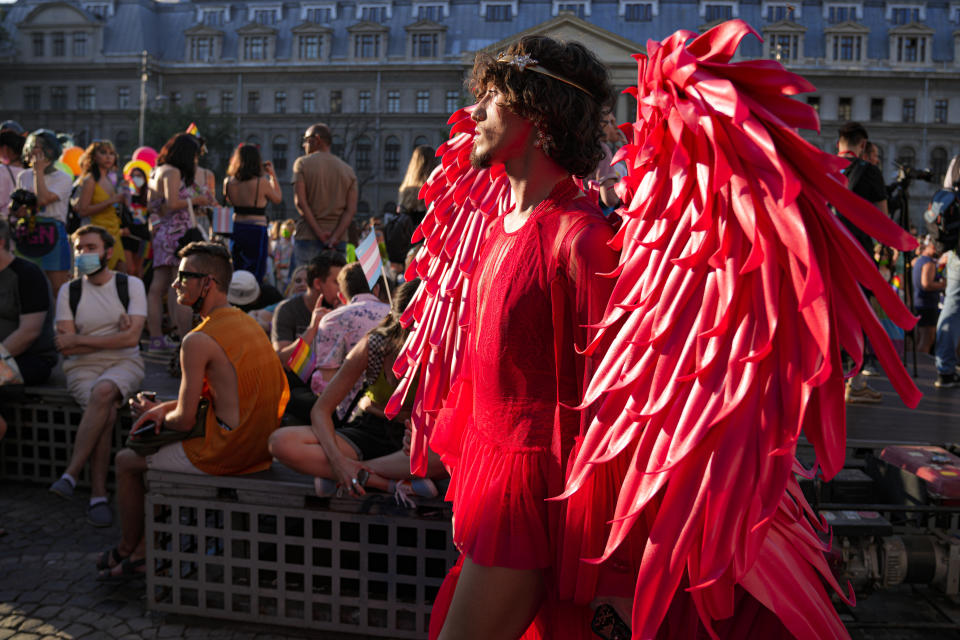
(114,268)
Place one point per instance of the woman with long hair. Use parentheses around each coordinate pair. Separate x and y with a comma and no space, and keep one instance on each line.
(249,186)
(399,227)
(368,450)
(100,198)
(173,193)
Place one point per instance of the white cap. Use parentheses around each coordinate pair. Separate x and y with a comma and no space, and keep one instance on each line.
(244,288)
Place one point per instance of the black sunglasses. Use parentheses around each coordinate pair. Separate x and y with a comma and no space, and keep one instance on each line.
(183,276)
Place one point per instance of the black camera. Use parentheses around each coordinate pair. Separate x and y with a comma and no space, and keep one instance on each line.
(906,173)
(23,198)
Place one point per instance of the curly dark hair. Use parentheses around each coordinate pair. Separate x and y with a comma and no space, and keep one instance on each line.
(568,120)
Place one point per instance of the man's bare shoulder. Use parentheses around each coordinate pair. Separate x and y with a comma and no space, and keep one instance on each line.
(199,344)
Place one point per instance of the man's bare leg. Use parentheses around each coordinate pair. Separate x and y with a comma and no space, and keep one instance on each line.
(493,603)
(100,460)
(130,497)
(103,399)
(298,448)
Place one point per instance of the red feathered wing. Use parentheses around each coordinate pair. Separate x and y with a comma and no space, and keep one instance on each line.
(721,344)
(461,202)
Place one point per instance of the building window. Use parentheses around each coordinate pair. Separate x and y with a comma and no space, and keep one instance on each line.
(200,99)
(373,14)
(39,49)
(938,163)
(99,9)
(578,9)
(425,45)
(498,12)
(336,146)
(363,101)
(876,109)
(714,12)
(255,48)
(123,97)
(79,44)
(847,48)
(638,12)
(845,109)
(265,16)
(367,45)
(280,102)
(904,15)
(213,17)
(309,46)
(321,15)
(909,110)
(391,155)
(911,49)
(841,13)
(253,102)
(363,153)
(31,98)
(279,150)
(58,98)
(814,101)
(453,101)
(420,141)
(431,12)
(201,49)
(336,101)
(176,98)
(940,111)
(776,13)
(907,157)
(86,98)
(423,101)
(784,47)
(393,102)
(226,102)
(59,44)
(309,101)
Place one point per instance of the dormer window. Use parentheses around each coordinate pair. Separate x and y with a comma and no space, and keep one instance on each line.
(783,41)
(319,13)
(366,45)
(847,43)
(498,11)
(580,9)
(780,11)
(79,44)
(911,45)
(201,49)
(255,48)
(368,41)
(716,10)
(901,14)
(102,10)
(308,46)
(427,40)
(213,16)
(311,42)
(39,45)
(838,13)
(425,45)
(374,12)
(432,11)
(204,44)
(638,11)
(267,14)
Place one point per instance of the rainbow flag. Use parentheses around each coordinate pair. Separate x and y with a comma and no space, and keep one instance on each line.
(302,361)
(192,129)
(368,255)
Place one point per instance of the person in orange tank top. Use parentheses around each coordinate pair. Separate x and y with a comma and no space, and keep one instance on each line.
(228,361)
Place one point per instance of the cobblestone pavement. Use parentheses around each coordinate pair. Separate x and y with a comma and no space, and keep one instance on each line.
(48,588)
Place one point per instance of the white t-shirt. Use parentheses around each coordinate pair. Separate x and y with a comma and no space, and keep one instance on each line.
(57,182)
(99,310)
(8,184)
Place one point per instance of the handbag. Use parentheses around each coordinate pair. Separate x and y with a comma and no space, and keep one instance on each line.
(34,237)
(9,370)
(149,443)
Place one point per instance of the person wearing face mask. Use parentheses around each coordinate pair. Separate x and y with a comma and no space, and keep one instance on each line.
(100,317)
(136,236)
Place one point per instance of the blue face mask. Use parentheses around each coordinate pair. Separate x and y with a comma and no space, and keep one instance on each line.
(88,263)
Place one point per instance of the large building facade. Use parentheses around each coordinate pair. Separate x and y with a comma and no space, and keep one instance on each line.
(385,74)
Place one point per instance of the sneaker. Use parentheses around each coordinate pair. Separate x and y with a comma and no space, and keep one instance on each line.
(863,395)
(871,368)
(62,488)
(100,515)
(162,344)
(947,380)
(405,489)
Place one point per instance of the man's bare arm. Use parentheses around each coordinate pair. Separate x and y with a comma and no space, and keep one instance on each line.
(195,354)
(31,324)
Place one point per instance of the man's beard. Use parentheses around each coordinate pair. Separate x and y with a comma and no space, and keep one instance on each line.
(479,160)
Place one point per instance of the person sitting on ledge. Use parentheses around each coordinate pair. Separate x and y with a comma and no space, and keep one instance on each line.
(368,450)
(227,362)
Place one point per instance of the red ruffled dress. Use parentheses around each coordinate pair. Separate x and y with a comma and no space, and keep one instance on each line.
(510,423)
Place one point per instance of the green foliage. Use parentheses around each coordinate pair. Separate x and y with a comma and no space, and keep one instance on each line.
(219,131)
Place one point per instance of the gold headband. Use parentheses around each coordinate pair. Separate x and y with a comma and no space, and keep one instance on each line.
(524,62)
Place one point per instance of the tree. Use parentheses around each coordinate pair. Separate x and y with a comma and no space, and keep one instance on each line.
(218,131)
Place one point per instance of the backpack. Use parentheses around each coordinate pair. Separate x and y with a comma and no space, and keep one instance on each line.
(397,231)
(120,281)
(943,219)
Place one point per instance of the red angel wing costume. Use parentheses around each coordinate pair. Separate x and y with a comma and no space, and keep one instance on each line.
(735,291)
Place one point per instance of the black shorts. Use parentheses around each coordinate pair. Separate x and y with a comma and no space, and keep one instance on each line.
(372,436)
(928,317)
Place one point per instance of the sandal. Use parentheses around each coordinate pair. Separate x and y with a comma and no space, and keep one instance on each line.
(109,559)
(128,571)
(608,624)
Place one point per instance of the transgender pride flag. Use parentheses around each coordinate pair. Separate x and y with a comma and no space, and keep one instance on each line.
(368,255)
